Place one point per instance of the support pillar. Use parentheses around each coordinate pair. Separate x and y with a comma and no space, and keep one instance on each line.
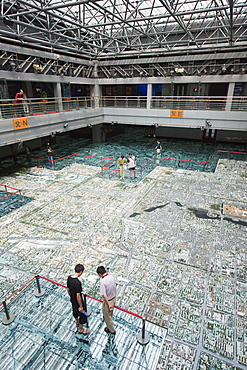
(230,93)
(29,91)
(58,95)
(96,94)
(149,96)
(98,134)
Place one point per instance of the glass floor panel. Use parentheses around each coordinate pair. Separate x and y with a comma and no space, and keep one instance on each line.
(12,202)
(183,154)
(43,336)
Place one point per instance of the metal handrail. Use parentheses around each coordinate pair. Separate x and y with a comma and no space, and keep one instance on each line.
(37,106)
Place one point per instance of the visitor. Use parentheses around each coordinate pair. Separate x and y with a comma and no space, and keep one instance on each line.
(131,164)
(108,291)
(122,165)
(158,148)
(50,155)
(19,96)
(74,290)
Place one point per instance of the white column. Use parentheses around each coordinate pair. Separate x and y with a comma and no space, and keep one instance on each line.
(149,96)
(230,93)
(58,95)
(98,133)
(96,93)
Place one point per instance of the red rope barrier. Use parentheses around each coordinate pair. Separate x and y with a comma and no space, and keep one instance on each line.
(229,151)
(91,156)
(95,299)
(104,167)
(10,195)
(9,187)
(78,155)
(182,160)
(7,196)
(23,286)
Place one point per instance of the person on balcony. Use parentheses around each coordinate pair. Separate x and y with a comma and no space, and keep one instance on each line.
(19,96)
(25,103)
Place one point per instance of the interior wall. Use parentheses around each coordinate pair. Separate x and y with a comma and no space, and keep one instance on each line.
(6,151)
(179,133)
(196,134)
(232,136)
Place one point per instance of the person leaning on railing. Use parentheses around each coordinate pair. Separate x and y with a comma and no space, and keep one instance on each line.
(19,96)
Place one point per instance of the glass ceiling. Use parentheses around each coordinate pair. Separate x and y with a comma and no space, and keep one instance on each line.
(100,29)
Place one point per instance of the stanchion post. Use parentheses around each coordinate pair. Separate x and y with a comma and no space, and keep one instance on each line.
(9,318)
(21,198)
(39,292)
(142,336)
(6,190)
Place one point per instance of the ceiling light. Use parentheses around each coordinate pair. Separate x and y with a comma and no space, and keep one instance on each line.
(13,65)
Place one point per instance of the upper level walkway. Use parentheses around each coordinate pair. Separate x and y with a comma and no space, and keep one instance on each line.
(37,106)
(36,118)
(43,334)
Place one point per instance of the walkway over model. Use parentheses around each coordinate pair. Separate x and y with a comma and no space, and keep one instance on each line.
(42,335)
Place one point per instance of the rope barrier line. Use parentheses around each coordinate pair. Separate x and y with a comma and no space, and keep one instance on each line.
(95,299)
(104,167)
(182,160)
(10,195)
(9,187)
(18,290)
(91,156)
(78,155)
(229,151)
(7,196)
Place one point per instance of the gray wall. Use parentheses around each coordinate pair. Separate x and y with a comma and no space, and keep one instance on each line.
(231,125)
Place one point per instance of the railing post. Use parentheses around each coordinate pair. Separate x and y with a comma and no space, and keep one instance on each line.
(40,291)
(6,190)
(142,336)
(9,318)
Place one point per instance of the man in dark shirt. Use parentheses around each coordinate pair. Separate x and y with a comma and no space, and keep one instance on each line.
(74,289)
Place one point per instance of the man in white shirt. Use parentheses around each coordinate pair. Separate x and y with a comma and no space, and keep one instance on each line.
(131,164)
(108,291)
